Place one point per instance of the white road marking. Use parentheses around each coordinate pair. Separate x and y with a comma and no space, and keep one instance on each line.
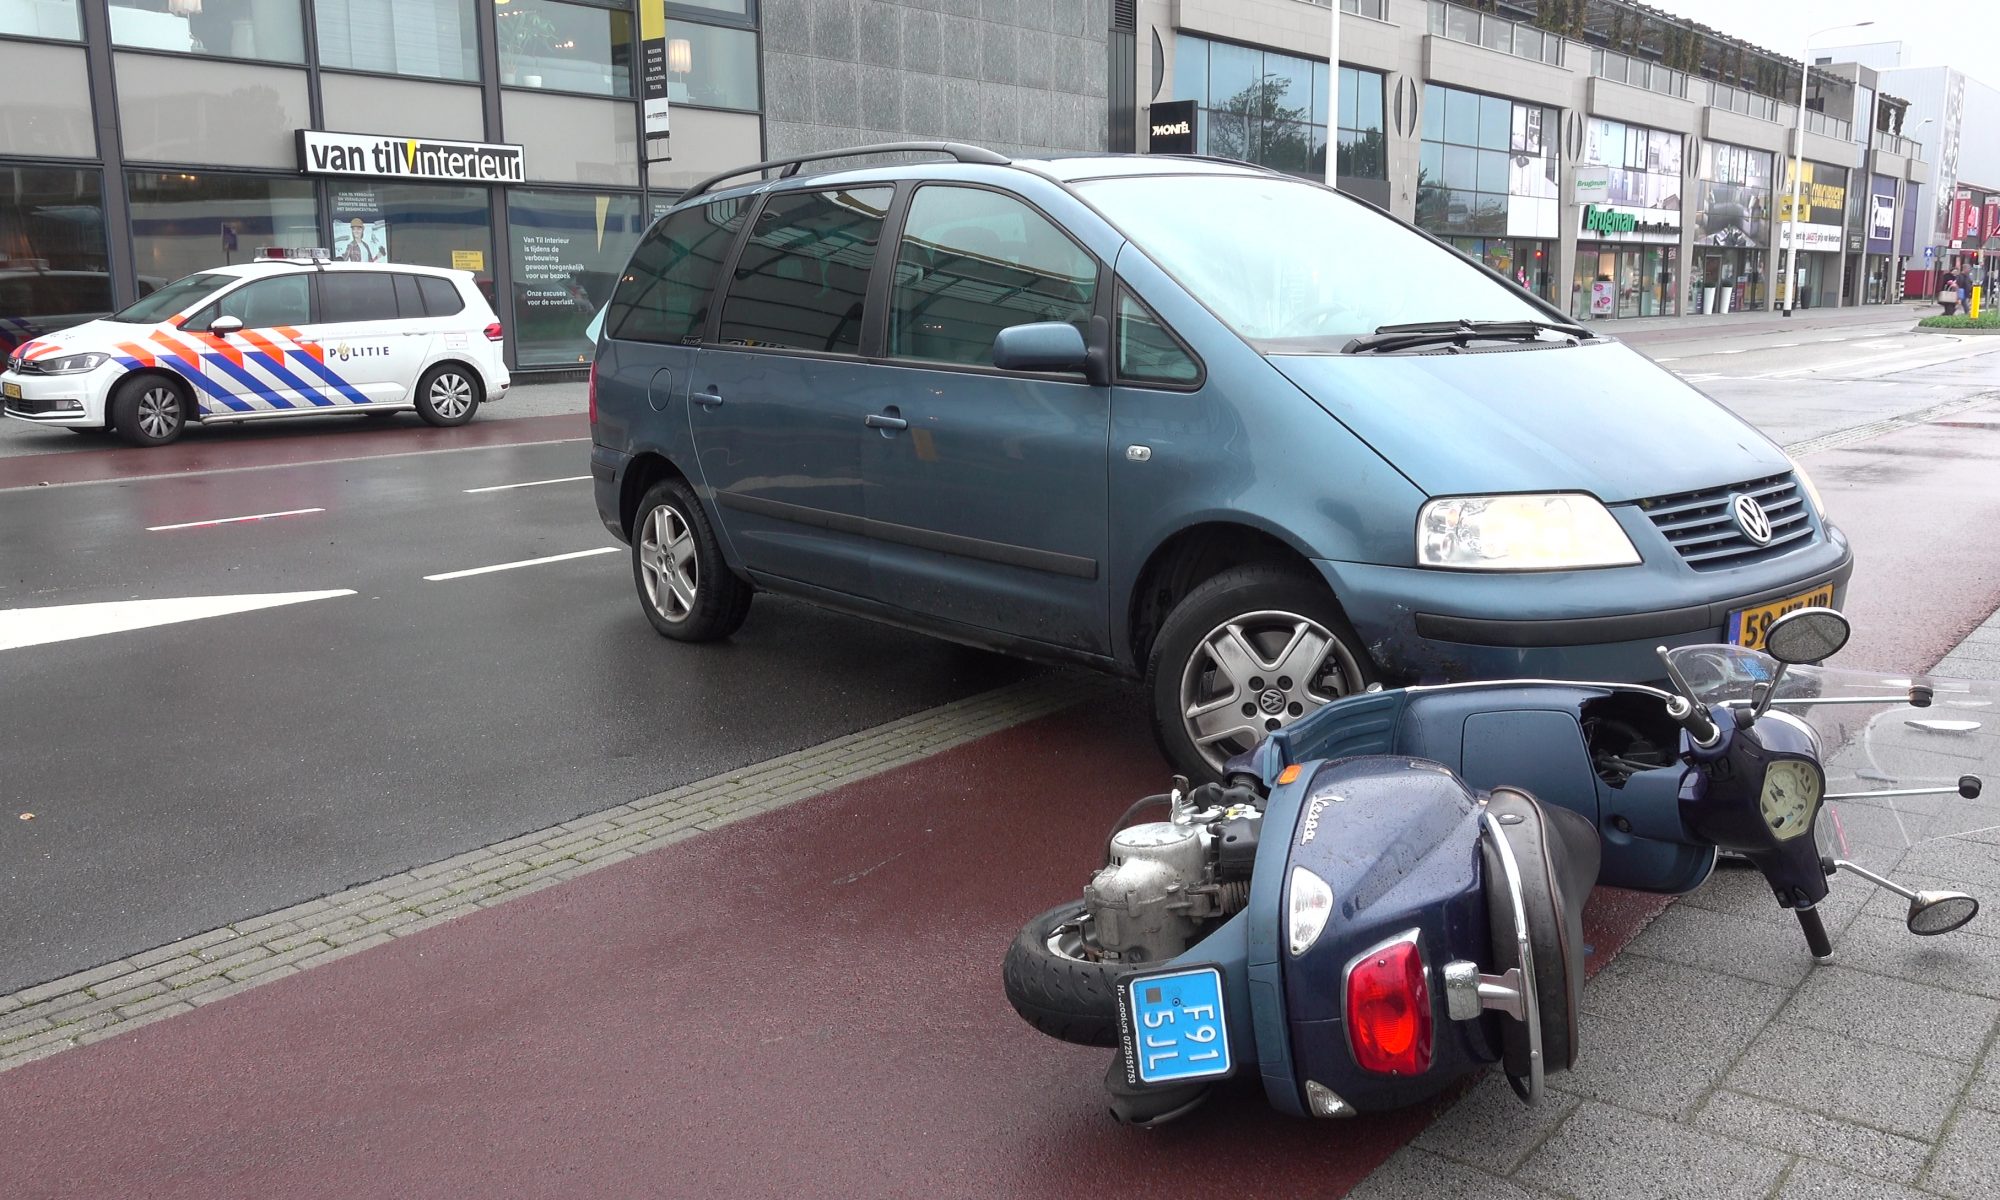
(1660,360)
(66,622)
(290,512)
(526,562)
(502,487)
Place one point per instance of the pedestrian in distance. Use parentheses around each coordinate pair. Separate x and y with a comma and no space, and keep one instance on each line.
(1947,296)
(1965,290)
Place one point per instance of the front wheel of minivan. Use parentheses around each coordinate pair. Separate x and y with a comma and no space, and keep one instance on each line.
(1249,651)
(688,592)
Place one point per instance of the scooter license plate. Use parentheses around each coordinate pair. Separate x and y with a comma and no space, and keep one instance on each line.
(1172,1026)
(1747,625)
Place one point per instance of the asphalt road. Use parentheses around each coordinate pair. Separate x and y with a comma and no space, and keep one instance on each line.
(189,774)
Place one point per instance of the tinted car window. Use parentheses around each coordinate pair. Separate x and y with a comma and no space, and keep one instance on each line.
(280,300)
(1147,352)
(356,296)
(409,301)
(664,294)
(803,275)
(974,262)
(440,298)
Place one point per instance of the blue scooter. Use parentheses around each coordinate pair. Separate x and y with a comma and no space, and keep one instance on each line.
(1387,895)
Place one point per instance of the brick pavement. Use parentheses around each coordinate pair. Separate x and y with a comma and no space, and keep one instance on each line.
(115,997)
(1719,1061)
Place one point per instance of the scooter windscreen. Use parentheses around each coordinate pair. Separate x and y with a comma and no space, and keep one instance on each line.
(1904,759)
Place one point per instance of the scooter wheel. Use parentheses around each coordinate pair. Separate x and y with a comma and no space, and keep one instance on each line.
(1069,998)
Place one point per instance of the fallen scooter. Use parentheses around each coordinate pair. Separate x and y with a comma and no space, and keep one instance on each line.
(1387,896)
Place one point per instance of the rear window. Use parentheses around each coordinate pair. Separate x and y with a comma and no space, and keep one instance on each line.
(356,296)
(664,294)
(801,281)
(440,298)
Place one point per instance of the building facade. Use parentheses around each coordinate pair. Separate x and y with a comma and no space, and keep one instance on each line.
(1617,161)
(504,137)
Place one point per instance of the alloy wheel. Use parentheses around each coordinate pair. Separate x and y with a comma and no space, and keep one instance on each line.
(1258,672)
(451,395)
(668,564)
(159,412)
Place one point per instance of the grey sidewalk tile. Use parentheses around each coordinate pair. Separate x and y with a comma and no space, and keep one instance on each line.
(1963,961)
(1972,866)
(1985,1090)
(1967,1166)
(1490,1128)
(70,983)
(1894,1012)
(1840,1076)
(1743,893)
(1412,1174)
(1656,1036)
(1818,1181)
(1810,1135)
(1604,1153)
(1744,946)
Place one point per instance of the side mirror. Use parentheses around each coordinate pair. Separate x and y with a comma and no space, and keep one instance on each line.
(1807,635)
(1932,913)
(225,325)
(1042,346)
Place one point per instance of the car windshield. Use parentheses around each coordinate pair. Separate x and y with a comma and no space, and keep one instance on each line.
(177,297)
(1294,268)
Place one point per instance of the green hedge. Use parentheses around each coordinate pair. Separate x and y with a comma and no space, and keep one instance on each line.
(1989,318)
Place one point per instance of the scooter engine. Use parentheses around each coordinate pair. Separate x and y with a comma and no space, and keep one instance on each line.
(1166,883)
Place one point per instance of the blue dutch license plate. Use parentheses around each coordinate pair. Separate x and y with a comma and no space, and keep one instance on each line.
(1173,1026)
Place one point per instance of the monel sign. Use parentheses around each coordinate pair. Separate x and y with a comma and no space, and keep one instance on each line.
(408,158)
(1172,127)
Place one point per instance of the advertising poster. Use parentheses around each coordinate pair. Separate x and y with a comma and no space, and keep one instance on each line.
(1731,215)
(360,234)
(1881,217)
(653,68)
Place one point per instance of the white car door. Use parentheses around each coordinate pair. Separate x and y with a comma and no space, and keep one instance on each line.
(368,352)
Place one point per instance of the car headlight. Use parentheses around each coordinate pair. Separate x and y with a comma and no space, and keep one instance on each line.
(1521,533)
(73,364)
(1806,483)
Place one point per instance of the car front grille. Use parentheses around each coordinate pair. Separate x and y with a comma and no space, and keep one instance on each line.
(1702,526)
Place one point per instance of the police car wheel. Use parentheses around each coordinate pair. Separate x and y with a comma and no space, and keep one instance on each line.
(149,410)
(687,590)
(448,394)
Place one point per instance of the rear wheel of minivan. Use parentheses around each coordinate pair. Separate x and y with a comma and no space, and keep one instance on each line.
(1249,651)
(449,394)
(688,592)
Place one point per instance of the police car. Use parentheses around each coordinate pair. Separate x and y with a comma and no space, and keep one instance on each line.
(289,334)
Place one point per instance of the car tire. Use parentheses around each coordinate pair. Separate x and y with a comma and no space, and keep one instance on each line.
(686,589)
(149,410)
(1292,652)
(449,394)
(1071,999)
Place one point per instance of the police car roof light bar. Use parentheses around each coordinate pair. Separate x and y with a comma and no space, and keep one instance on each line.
(308,254)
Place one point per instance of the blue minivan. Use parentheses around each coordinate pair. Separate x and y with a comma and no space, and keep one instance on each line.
(1250,439)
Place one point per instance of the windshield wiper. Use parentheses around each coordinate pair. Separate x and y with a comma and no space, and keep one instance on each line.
(1458,333)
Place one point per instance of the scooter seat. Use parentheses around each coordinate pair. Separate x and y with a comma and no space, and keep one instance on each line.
(1557,853)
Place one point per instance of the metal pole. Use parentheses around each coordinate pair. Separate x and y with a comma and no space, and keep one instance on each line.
(1798,170)
(1333,98)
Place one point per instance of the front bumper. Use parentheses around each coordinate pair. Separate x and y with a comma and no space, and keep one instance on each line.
(1424,626)
(70,400)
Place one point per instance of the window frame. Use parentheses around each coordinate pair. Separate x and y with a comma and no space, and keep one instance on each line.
(869,340)
(201,318)
(698,335)
(1122,289)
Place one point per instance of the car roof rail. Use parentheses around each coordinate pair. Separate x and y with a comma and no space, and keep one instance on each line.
(1226,161)
(957,150)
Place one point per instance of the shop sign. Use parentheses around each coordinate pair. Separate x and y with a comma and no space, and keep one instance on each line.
(1592,183)
(408,158)
(1605,220)
(653,66)
(1881,217)
(1811,237)
(1172,126)
(1964,217)
(1822,194)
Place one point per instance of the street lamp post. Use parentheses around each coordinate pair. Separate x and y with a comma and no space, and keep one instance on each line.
(1799,164)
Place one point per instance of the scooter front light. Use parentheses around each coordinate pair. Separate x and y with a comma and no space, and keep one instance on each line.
(1389,1008)
(1311,905)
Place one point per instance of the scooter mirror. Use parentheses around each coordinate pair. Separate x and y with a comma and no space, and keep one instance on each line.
(1807,635)
(1932,913)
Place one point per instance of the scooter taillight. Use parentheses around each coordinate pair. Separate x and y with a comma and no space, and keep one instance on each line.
(1389,1009)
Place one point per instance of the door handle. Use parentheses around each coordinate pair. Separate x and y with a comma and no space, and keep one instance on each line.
(708,399)
(880,421)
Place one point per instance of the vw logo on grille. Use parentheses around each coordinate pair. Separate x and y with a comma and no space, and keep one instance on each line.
(1271,701)
(1752,519)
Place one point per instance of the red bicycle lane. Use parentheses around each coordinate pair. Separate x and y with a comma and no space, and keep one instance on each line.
(803,1003)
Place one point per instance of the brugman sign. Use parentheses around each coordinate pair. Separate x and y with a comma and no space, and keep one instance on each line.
(1630,224)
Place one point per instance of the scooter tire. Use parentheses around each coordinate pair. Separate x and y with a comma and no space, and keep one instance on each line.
(1071,1000)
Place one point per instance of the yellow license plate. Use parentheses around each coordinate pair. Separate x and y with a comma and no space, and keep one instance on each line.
(10,390)
(1747,626)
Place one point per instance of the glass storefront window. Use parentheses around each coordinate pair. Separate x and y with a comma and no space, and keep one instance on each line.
(183,223)
(266,30)
(436,39)
(710,67)
(567,250)
(426,225)
(1485,168)
(567,47)
(53,270)
(1270,109)
(41,19)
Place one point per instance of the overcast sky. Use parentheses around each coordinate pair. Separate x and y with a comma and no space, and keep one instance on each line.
(1933,33)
